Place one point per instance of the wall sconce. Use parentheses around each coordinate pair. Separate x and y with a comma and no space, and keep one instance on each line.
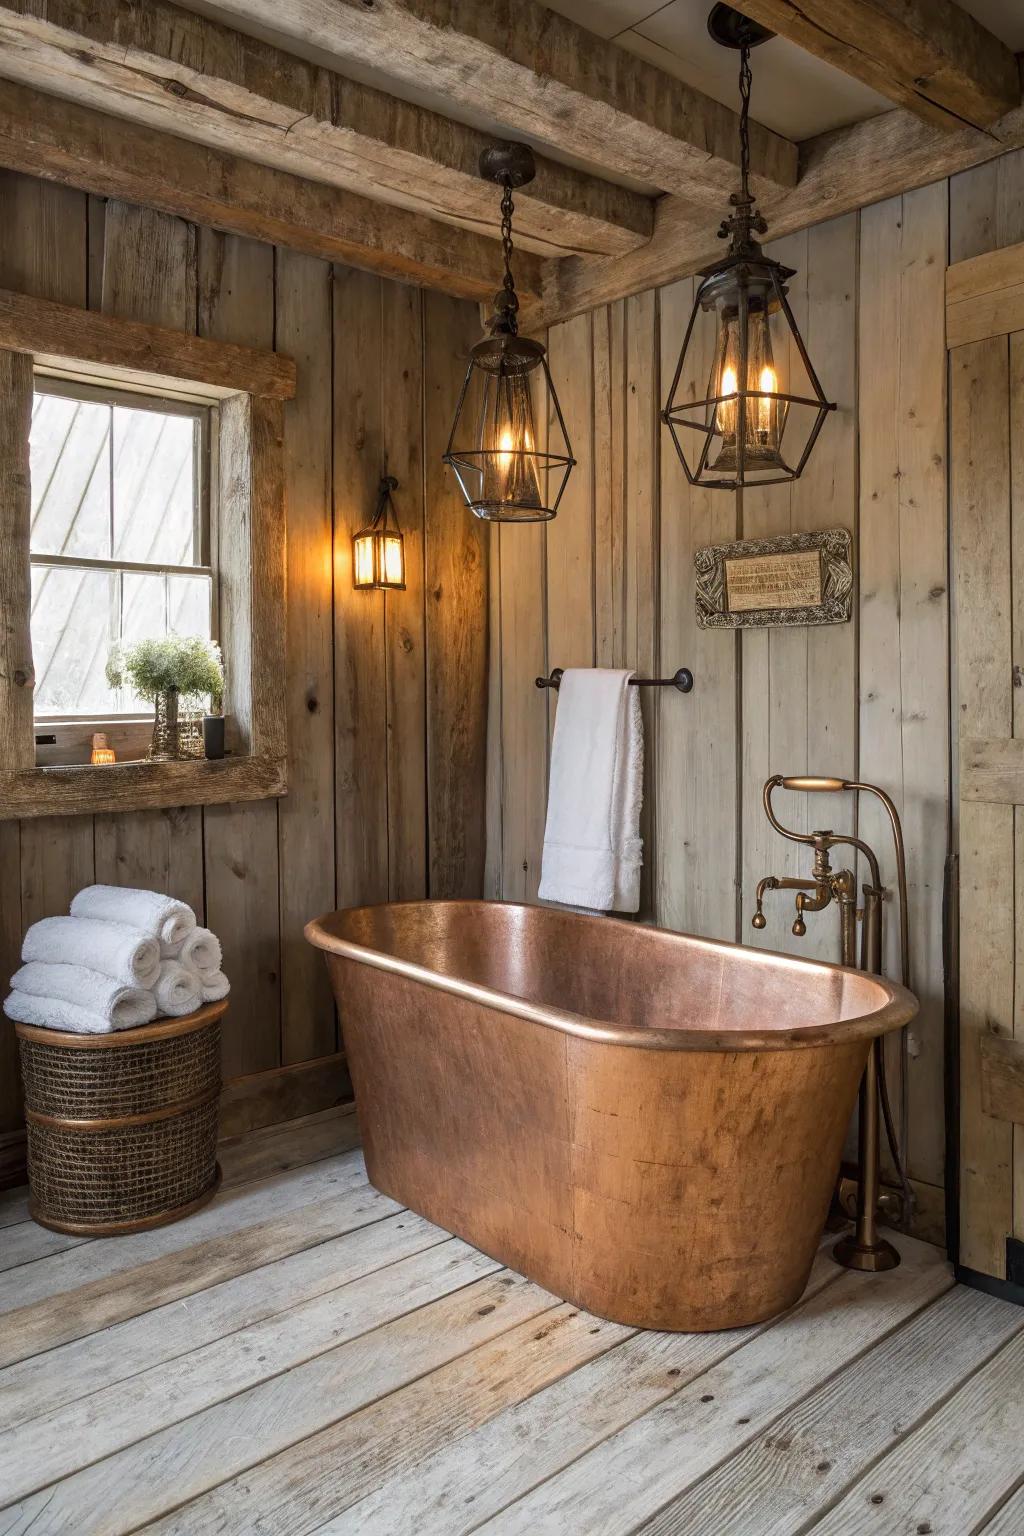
(378,551)
(102,751)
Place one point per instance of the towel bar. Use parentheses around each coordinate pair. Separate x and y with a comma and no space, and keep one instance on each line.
(683,680)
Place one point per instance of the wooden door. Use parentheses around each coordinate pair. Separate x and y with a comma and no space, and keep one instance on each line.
(985,335)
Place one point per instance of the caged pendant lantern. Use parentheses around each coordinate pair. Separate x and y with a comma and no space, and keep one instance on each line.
(378,550)
(763,408)
(495,448)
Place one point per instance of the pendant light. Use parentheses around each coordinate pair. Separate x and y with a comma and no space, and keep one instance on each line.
(378,550)
(764,407)
(505,476)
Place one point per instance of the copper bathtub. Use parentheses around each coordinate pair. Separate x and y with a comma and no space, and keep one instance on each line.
(646,1124)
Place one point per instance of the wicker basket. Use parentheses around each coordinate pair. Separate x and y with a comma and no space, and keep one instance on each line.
(122,1128)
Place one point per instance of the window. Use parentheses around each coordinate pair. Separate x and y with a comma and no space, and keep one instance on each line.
(120,537)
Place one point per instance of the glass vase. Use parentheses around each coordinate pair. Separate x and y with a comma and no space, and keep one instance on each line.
(177,732)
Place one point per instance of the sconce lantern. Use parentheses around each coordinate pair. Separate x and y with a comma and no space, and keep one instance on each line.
(378,551)
(746,429)
(493,449)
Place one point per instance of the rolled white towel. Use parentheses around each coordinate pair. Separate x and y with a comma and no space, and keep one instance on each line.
(178,990)
(158,916)
(201,952)
(111,948)
(215,986)
(55,1013)
(122,1006)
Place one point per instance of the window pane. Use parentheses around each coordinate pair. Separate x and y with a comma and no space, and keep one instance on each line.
(189,605)
(154,487)
(69,454)
(74,615)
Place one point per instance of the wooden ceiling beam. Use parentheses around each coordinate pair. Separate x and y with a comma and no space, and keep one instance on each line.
(929,56)
(67,143)
(170,69)
(840,172)
(541,76)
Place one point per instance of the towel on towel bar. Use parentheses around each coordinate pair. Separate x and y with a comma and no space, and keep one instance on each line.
(159,917)
(178,990)
(121,1006)
(201,952)
(55,1013)
(111,948)
(592,845)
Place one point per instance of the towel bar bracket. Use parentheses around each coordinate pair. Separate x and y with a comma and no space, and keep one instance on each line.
(682,680)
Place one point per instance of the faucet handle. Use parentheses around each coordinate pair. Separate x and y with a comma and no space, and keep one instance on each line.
(799,927)
(758,920)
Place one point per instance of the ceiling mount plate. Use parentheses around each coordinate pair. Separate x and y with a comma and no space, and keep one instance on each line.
(513,163)
(728,27)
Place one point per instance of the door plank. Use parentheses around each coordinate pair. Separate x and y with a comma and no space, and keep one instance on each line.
(143,1481)
(628,1477)
(336,1255)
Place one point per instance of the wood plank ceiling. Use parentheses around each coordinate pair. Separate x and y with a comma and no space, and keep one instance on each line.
(317,125)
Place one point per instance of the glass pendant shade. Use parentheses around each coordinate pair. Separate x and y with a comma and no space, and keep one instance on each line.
(378,551)
(760,413)
(494,448)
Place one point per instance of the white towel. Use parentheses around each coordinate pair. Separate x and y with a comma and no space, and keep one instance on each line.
(215,986)
(111,948)
(122,1006)
(55,1013)
(201,952)
(592,845)
(158,916)
(178,990)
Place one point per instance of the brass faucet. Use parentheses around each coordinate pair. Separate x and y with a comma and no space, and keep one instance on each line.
(864,1249)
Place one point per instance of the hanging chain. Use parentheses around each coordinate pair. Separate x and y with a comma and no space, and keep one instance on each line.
(511,304)
(746,79)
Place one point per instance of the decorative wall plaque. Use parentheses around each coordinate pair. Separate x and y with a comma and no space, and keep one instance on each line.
(799,578)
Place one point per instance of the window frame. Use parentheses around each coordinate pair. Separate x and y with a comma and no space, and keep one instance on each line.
(67,728)
(248,387)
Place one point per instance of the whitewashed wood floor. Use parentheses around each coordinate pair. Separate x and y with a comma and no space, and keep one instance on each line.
(305,1356)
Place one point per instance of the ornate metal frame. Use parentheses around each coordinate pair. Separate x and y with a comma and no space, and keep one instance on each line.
(836,549)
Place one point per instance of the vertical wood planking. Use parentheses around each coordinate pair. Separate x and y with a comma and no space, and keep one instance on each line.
(1017,705)
(236,303)
(695,780)
(570,537)
(360,679)
(404,627)
(980,483)
(524,732)
(459,767)
(306,813)
(643,441)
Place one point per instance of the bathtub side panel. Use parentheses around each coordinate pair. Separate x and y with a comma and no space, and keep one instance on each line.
(464,1116)
(702,1181)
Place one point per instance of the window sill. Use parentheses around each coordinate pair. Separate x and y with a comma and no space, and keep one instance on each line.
(75,790)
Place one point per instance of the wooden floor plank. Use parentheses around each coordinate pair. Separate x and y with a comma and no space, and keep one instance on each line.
(131,1489)
(953,1470)
(44,1325)
(86,1366)
(629,1477)
(13,1206)
(276,1148)
(1008,1520)
(230,1211)
(27,1241)
(107,1421)
(331,1471)
(786,1478)
(445,1495)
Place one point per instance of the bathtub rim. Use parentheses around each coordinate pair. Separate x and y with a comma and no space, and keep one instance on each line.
(900,1006)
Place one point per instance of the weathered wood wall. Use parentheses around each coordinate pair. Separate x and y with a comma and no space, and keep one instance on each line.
(610,582)
(386,696)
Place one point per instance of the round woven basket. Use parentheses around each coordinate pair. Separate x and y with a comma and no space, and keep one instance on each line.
(122,1128)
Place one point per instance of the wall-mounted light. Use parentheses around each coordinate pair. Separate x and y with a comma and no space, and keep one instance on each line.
(378,551)
(494,447)
(102,751)
(745,430)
